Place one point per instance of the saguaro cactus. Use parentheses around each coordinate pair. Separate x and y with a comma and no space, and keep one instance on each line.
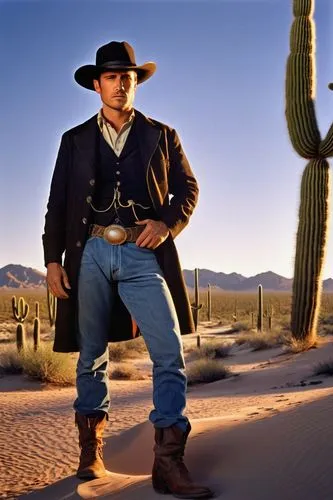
(314,197)
(209,303)
(36,333)
(20,313)
(260,320)
(52,307)
(195,305)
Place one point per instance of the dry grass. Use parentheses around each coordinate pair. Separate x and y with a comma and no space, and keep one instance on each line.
(203,371)
(10,361)
(213,349)
(130,349)
(44,364)
(295,346)
(126,371)
(325,368)
(258,341)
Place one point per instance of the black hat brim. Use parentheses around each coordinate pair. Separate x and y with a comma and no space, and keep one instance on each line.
(85,75)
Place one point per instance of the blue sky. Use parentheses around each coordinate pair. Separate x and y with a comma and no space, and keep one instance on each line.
(219,82)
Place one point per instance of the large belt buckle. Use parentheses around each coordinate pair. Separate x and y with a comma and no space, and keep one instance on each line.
(115,234)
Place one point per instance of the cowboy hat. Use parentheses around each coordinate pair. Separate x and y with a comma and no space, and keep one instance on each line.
(114,56)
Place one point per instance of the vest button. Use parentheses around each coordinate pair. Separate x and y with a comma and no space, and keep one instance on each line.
(84,220)
(89,199)
(92,182)
(118,183)
(118,173)
(78,243)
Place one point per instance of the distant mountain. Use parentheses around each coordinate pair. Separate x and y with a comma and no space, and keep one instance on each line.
(238,283)
(17,276)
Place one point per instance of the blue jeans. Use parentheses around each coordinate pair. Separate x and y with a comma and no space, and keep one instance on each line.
(143,290)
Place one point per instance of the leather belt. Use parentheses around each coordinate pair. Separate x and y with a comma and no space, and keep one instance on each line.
(115,234)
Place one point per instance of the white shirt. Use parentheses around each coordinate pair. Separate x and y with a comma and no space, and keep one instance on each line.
(115,140)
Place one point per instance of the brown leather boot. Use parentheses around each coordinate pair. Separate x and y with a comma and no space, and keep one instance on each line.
(91,444)
(170,474)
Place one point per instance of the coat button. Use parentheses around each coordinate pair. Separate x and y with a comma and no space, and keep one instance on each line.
(89,199)
(118,173)
(92,182)
(84,220)
(78,243)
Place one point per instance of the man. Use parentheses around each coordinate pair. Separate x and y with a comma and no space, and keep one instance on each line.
(110,211)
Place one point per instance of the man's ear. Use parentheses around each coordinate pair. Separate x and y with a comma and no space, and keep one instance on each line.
(97,86)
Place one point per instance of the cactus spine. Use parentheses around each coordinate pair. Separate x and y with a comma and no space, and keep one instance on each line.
(209,303)
(20,313)
(36,333)
(305,138)
(260,320)
(52,306)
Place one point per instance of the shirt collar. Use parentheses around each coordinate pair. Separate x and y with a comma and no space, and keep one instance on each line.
(103,122)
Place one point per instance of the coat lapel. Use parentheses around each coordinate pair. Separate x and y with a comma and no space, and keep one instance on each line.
(148,137)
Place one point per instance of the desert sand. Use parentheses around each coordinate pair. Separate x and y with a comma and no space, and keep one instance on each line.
(263,434)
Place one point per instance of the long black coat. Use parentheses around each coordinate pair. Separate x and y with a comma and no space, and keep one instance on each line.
(69,214)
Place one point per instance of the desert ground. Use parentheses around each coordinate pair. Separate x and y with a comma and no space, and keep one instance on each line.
(264,433)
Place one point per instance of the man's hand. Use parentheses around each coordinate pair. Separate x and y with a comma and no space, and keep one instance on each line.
(56,276)
(153,234)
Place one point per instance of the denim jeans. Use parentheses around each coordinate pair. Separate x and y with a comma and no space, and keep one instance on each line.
(143,290)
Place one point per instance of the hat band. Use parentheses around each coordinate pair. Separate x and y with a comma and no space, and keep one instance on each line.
(111,64)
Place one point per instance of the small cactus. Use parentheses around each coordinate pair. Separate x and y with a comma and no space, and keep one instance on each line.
(269,315)
(195,305)
(234,316)
(20,313)
(52,307)
(209,303)
(36,333)
(260,309)
(252,319)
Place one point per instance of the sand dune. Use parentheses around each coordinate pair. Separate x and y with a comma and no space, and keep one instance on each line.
(286,456)
(266,434)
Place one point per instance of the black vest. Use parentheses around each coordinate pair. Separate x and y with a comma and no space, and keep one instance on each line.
(128,173)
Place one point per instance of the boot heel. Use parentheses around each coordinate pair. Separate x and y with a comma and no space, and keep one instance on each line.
(160,486)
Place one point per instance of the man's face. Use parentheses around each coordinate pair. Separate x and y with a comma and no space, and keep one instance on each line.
(117,89)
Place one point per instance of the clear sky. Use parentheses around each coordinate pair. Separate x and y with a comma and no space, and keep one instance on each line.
(219,82)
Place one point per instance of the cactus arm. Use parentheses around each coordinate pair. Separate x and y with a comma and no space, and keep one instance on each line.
(20,309)
(300,82)
(14,308)
(326,146)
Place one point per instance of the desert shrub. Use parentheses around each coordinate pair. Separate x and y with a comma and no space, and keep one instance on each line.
(48,366)
(117,351)
(324,368)
(126,371)
(10,361)
(240,326)
(214,349)
(203,371)
(295,346)
(258,341)
(129,349)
